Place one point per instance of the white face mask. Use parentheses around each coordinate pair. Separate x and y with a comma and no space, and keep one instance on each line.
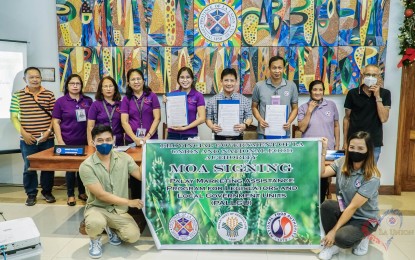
(370,81)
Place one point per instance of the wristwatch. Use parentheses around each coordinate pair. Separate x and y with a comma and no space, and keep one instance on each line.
(379,100)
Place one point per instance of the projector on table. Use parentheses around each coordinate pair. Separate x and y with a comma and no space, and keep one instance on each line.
(20,238)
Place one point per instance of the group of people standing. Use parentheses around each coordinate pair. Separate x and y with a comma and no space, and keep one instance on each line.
(75,119)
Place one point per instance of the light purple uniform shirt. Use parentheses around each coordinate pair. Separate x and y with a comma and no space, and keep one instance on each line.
(195,99)
(72,131)
(321,121)
(97,112)
(129,107)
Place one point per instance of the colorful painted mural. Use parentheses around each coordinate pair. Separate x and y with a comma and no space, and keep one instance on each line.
(330,40)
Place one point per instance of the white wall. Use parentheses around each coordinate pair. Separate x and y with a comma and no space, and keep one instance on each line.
(35,22)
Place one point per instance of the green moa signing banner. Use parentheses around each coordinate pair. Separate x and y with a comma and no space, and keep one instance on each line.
(237,194)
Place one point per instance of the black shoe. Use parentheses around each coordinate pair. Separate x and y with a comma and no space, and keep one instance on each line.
(83,197)
(48,197)
(31,200)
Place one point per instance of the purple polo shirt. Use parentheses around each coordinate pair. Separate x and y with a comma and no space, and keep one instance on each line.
(72,131)
(129,107)
(195,99)
(97,112)
(321,121)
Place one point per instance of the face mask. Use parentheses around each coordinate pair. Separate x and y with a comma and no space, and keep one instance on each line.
(370,81)
(357,157)
(104,148)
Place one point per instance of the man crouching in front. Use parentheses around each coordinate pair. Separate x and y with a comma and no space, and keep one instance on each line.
(105,176)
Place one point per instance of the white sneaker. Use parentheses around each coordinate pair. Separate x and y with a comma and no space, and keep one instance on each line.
(328,252)
(362,247)
(95,248)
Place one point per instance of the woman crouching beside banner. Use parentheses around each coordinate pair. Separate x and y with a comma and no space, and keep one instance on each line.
(349,221)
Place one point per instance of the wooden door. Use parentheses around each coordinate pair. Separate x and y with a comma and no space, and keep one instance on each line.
(405,151)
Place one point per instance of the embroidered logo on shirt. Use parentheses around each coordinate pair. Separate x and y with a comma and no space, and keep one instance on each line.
(83,104)
(357,184)
(190,100)
(147,101)
(328,113)
(286,93)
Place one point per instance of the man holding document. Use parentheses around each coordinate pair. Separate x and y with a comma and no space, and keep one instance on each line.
(275,102)
(228,113)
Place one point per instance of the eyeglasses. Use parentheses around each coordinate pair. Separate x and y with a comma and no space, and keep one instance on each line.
(108,87)
(34,77)
(136,79)
(371,75)
(74,84)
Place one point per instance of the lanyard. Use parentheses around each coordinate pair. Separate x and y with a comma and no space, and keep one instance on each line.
(140,109)
(108,114)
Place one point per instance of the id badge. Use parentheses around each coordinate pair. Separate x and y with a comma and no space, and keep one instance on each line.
(275,100)
(341,203)
(80,115)
(141,132)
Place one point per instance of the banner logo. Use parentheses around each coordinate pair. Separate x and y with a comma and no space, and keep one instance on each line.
(217,22)
(183,226)
(232,226)
(281,227)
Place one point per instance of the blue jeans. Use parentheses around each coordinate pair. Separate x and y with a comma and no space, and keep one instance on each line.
(262,136)
(70,184)
(30,181)
(176,136)
(376,152)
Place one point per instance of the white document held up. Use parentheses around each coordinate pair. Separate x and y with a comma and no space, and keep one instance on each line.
(176,108)
(276,117)
(121,148)
(228,116)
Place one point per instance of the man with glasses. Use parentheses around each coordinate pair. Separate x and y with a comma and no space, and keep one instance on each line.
(367,108)
(105,176)
(228,79)
(30,113)
(284,91)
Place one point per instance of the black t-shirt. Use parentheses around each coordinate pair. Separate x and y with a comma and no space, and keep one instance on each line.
(364,115)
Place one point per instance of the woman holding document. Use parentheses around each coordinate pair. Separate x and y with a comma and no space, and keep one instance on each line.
(228,113)
(319,118)
(195,107)
(140,110)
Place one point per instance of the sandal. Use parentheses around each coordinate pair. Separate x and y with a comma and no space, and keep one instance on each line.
(71,203)
(83,197)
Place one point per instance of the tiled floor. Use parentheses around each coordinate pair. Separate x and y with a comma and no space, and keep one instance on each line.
(58,225)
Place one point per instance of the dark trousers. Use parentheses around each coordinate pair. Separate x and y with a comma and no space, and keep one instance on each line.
(30,181)
(135,193)
(351,233)
(176,136)
(70,183)
(324,186)
(221,137)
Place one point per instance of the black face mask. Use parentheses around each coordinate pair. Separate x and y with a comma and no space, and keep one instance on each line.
(357,157)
